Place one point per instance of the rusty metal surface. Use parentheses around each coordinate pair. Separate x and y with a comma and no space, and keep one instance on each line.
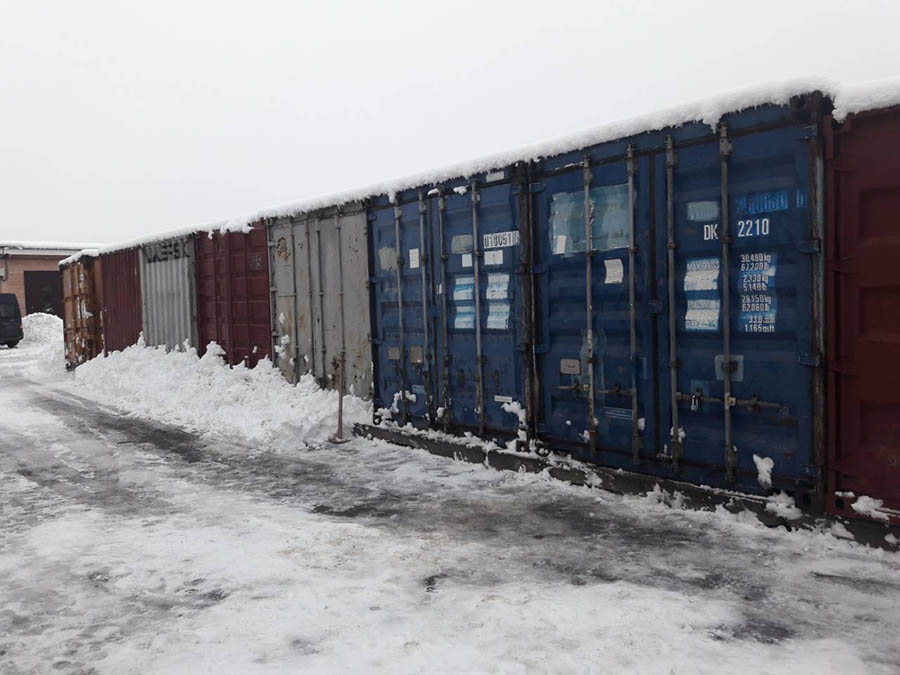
(121,309)
(863,296)
(233,294)
(82,293)
(168,291)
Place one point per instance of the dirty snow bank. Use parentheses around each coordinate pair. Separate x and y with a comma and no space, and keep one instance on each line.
(206,395)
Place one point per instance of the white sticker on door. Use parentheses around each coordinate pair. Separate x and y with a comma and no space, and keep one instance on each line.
(413,258)
(493,257)
(614,271)
(466,259)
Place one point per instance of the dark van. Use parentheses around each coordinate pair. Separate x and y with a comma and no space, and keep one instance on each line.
(10,320)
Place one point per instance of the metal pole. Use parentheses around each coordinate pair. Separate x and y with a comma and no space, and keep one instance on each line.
(589,302)
(725,240)
(423,260)
(401,361)
(636,440)
(479,357)
(342,362)
(675,433)
(445,361)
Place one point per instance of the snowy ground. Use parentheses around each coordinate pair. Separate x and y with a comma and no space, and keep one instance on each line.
(127,546)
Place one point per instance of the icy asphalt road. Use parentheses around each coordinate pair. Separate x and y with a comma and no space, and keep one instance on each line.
(128,547)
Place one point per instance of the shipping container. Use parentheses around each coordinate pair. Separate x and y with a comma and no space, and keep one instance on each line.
(233,294)
(122,314)
(82,284)
(320,297)
(694,352)
(168,293)
(652,303)
(863,206)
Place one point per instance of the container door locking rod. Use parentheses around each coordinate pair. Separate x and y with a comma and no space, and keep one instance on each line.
(401,361)
(637,442)
(589,304)
(312,320)
(426,347)
(445,356)
(479,357)
(675,435)
(342,359)
(727,365)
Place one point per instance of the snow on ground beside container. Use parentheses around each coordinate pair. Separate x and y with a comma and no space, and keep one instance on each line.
(208,396)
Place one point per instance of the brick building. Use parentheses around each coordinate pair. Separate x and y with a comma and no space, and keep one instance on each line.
(30,269)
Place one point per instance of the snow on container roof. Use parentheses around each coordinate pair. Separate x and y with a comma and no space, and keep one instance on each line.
(45,245)
(847,99)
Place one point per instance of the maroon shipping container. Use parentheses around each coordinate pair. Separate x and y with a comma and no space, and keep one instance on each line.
(863,204)
(121,306)
(233,294)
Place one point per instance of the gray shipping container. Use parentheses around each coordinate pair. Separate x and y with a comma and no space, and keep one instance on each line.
(169,292)
(320,298)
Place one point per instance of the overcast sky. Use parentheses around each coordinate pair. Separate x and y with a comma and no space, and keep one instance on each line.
(124,118)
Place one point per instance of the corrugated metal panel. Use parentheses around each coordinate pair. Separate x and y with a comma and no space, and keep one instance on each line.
(863,168)
(320,298)
(168,291)
(121,300)
(81,283)
(233,294)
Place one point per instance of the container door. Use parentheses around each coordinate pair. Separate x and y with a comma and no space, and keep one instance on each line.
(597,379)
(168,289)
(357,327)
(769,324)
(121,299)
(864,316)
(402,355)
(484,354)
(283,254)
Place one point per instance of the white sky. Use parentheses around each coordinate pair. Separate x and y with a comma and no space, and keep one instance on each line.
(119,119)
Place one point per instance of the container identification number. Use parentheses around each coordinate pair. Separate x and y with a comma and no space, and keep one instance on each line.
(501,239)
(752,227)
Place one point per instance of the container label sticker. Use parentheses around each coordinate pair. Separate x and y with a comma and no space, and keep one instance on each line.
(756,284)
(559,246)
(701,286)
(466,259)
(495,176)
(498,287)
(494,257)
(461,243)
(501,239)
(465,318)
(702,315)
(463,289)
(418,389)
(413,258)
(702,275)
(498,315)
(703,211)
(614,271)
(618,413)
(503,399)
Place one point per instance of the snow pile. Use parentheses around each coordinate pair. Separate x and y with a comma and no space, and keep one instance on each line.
(782,505)
(207,396)
(764,470)
(870,507)
(44,342)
